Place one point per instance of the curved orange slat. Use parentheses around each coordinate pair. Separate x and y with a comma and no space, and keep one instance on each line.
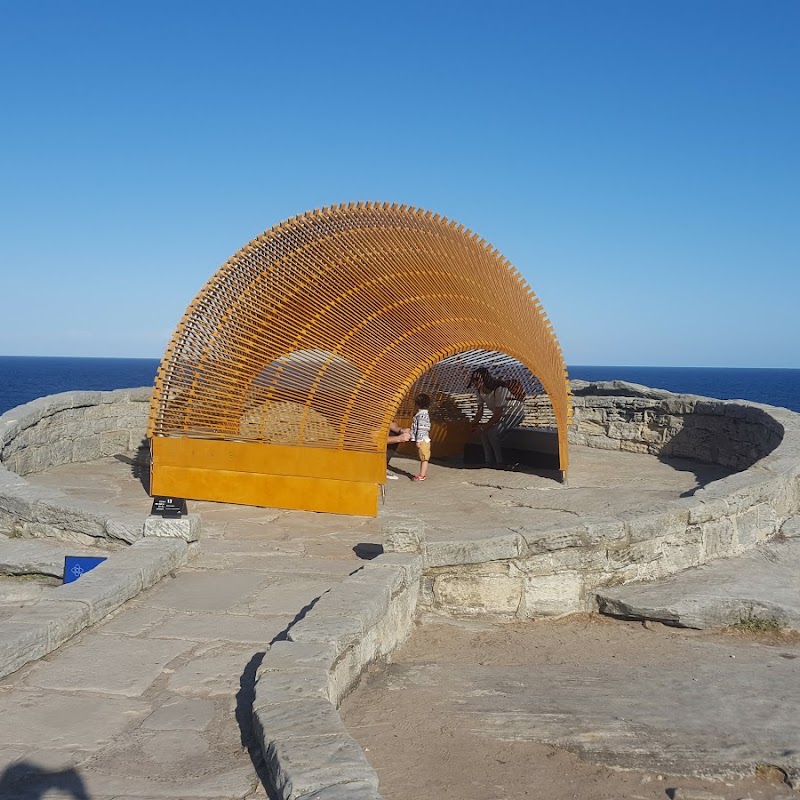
(323,324)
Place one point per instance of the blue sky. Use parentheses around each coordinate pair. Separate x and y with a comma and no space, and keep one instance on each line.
(638,161)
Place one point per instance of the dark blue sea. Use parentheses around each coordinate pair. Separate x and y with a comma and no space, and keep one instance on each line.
(776,387)
(24,378)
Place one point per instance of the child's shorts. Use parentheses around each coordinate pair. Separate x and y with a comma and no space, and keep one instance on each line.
(424,450)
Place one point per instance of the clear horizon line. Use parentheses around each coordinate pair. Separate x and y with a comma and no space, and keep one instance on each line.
(569,366)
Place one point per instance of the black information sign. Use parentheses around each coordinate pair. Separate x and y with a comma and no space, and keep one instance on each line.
(169,507)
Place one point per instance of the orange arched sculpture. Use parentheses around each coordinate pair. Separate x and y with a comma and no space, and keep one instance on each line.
(281,380)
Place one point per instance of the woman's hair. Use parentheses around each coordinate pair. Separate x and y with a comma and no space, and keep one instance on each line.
(490,383)
(422,401)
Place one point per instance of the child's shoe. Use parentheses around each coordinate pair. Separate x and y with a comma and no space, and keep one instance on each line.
(419,477)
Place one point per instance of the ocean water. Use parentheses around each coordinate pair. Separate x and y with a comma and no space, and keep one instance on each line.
(24,378)
(776,387)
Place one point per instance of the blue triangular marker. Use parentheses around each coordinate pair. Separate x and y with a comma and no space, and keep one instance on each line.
(75,566)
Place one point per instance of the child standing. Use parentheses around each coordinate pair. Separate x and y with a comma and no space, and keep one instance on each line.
(420,434)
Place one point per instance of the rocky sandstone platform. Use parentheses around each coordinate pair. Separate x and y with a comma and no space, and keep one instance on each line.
(224,677)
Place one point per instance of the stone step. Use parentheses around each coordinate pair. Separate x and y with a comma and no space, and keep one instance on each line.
(760,589)
(38,556)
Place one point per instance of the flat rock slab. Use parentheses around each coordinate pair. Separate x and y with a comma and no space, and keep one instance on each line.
(259,631)
(205,591)
(28,781)
(659,699)
(758,588)
(284,599)
(133,619)
(39,556)
(108,664)
(181,714)
(65,722)
(638,716)
(220,672)
(18,592)
(462,503)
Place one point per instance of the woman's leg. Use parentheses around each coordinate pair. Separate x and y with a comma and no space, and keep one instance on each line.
(515,413)
(494,437)
(488,452)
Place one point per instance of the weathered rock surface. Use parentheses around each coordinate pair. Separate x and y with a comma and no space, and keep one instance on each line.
(658,699)
(37,556)
(187,686)
(759,588)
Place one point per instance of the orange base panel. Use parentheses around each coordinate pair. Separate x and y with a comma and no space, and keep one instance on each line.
(273,476)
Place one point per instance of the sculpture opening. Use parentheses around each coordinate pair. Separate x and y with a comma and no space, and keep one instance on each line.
(281,380)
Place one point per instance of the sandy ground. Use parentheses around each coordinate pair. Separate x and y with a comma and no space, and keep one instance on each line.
(450,717)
